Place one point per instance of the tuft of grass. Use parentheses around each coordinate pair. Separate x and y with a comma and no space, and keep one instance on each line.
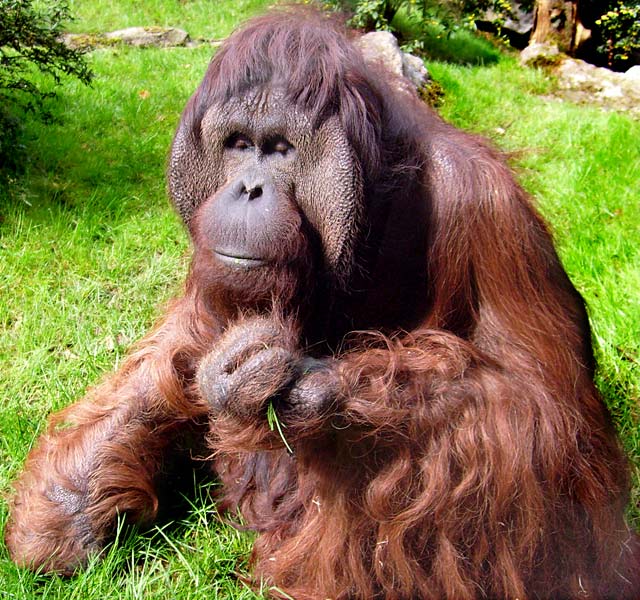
(194,558)
(275,425)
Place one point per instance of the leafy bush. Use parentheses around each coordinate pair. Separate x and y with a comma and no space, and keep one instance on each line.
(420,25)
(382,14)
(441,30)
(620,28)
(30,37)
(30,42)
(11,150)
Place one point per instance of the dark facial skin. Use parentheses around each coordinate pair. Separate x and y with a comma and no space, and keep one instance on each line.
(252,220)
(277,185)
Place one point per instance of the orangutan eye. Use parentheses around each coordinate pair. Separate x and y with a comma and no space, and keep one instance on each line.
(238,141)
(277,145)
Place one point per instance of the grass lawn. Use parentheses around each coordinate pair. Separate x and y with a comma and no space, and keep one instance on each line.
(90,250)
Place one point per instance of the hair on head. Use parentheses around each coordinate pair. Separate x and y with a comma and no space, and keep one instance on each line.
(308,56)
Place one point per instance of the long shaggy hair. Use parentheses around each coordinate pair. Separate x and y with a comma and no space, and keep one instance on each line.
(467,453)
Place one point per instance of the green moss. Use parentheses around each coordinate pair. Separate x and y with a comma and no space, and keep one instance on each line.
(89,41)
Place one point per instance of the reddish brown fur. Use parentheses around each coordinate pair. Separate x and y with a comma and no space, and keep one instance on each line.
(468,454)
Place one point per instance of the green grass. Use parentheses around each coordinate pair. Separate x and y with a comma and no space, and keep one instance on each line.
(192,559)
(90,250)
(458,47)
(201,19)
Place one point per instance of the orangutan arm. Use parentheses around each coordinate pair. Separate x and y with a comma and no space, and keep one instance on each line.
(100,457)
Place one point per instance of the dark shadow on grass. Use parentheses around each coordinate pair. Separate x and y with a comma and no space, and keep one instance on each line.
(442,40)
(186,486)
(459,47)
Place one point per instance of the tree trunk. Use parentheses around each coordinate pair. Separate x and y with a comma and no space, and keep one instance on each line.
(542,22)
(557,22)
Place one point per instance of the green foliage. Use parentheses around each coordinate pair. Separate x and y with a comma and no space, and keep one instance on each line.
(380,14)
(435,29)
(372,15)
(29,41)
(12,148)
(30,38)
(461,46)
(620,29)
(473,9)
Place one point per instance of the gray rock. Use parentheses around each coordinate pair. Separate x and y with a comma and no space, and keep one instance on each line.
(414,70)
(162,37)
(84,41)
(576,73)
(382,47)
(582,82)
(150,36)
(633,74)
(519,21)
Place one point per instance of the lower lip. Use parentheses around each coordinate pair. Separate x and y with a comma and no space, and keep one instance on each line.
(240,262)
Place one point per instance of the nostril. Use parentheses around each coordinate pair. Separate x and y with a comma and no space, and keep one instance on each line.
(254,192)
(250,188)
